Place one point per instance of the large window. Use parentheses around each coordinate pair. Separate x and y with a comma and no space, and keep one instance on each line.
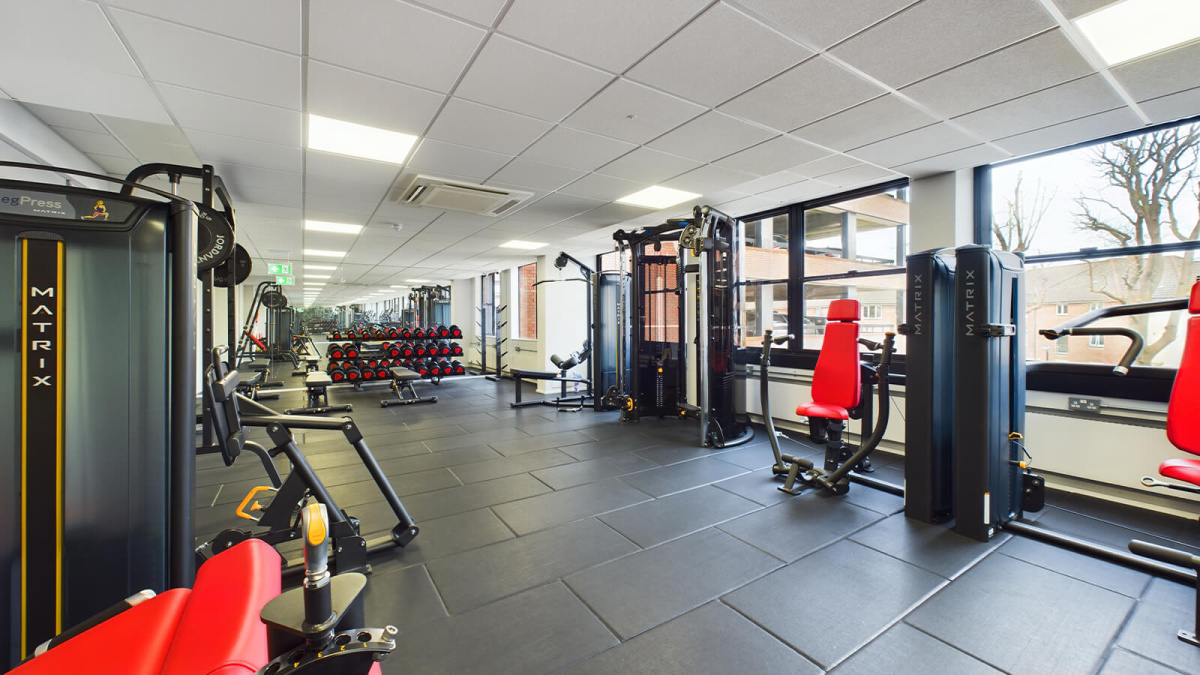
(1106,224)
(854,246)
(527,302)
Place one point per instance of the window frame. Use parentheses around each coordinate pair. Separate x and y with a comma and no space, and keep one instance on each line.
(521,302)
(794,356)
(1143,383)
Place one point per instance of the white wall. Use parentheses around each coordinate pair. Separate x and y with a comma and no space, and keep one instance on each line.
(562,319)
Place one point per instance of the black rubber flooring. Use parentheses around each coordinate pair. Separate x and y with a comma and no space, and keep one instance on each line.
(573,542)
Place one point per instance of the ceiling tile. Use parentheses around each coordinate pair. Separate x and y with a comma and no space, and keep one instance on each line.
(364,99)
(602,216)
(777,154)
(711,136)
(822,23)
(806,93)
(555,207)
(648,166)
(872,121)
(1077,8)
(528,80)
(576,149)
(486,128)
(391,39)
(59,29)
(1076,131)
(1172,107)
(1039,62)
(236,177)
(438,158)
(632,112)
(536,175)
(611,35)
(414,217)
(270,23)
(936,35)
(245,193)
(479,11)
(118,165)
(1081,98)
(350,169)
(215,148)
(935,139)
(708,61)
(707,179)
(1161,74)
(89,142)
(67,119)
(228,66)
(953,161)
(599,186)
(206,111)
(858,175)
(825,165)
(771,181)
(79,86)
(796,192)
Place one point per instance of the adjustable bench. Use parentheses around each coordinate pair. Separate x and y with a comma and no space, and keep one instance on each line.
(213,627)
(402,381)
(562,402)
(308,364)
(251,387)
(316,385)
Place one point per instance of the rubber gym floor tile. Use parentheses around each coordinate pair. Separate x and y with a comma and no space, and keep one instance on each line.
(904,649)
(448,421)
(474,578)
(1121,662)
(870,498)
(579,473)
(363,492)
(670,453)
(565,422)
(1114,577)
(474,496)
(619,431)
(436,460)
(400,434)
(564,506)
(480,438)
(678,477)
(507,466)
(760,486)
(611,446)
(492,423)
(1104,532)
(830,603)
(403,598)
(539,631)
(676,515)
(529,444)
(1022,618)
(1165,608)
(936,548)
(346,454)
(635,593)
(441,537)
(710,639)
(799,526)
(752,457)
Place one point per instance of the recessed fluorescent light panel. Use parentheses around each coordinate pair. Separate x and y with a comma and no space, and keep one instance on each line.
(316,276)
(320,267)
(524,245)
(318,253)
(1127,30)
(417,281)
(657,197)
(336,228)
(398,286)
(357,140)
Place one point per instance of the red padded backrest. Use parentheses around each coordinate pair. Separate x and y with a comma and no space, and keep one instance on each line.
(1183,423)
(1194,300)
(837,378)
(843,310)
(133,642)
(220,631)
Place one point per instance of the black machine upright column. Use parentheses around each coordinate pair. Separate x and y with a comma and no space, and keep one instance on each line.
(989,389)
(929,386)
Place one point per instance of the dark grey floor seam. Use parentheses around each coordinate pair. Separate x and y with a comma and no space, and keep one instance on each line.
(811,659)
(552,490)
(622,535)
(596,614)
(1085,581)
(966,568)
(502,521)
(1114,648)
(950,644)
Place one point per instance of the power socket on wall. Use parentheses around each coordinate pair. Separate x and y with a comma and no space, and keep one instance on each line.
(1084,404)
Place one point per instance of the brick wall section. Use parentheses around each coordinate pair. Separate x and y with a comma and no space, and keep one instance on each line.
(527,322)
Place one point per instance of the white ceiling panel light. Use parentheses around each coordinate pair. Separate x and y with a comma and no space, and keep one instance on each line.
(329,268)
(358,140)
(658,197)
(523,245)
(417,281)
(1127,30)
(320,253)
(316,276)
(336,228)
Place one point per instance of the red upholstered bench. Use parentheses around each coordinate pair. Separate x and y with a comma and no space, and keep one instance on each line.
(211,629)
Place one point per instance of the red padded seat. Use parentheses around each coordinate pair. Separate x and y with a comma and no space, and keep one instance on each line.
(1181,469)
(1183,424)
(837,379)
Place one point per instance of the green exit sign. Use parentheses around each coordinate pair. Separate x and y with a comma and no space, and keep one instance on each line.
(285,281)
(279,268)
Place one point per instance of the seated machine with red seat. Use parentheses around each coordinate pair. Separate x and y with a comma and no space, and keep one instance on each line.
(233,620)
(841,390)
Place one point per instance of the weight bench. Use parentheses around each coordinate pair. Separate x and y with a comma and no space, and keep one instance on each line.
(308,363)
(562,401)
(402,381)
(252,386)
(316,385)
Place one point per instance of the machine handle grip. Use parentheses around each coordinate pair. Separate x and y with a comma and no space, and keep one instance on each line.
(241,508)
(1136,342)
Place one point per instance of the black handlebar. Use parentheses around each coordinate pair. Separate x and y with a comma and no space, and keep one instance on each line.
(1080,325)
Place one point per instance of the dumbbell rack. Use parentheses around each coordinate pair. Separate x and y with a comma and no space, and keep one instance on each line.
(388,355)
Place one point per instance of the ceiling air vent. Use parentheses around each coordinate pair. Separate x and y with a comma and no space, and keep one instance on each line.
(442,193)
